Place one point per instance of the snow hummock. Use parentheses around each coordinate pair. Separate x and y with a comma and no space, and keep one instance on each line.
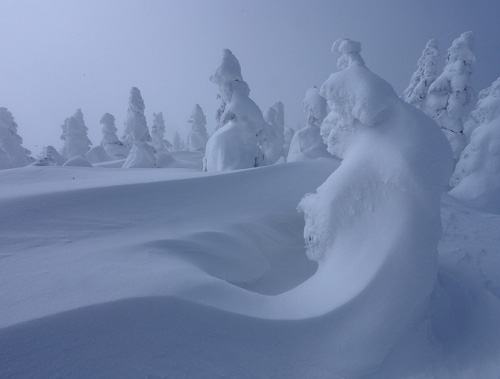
(97,154)
(78,161)
(307,142)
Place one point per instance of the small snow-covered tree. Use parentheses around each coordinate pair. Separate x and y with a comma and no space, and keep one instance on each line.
(163,156)
(49,157)
(426,73)
(178,145)
(450,92)
(12,153)
(478,171)
(238,142)
(114,148)
(273,146)
(142,153)
(287,136)
(307,142)
(198,136)
(76,141)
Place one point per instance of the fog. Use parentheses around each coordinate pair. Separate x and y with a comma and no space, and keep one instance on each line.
(60,55)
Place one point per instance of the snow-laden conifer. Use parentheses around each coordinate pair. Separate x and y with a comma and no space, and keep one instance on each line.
(12,153)
(426,73)
(163,156)
(198,136)
(274,144)
(307,142)
(49,157)
(450,93)
(142,153)
(113,147)
(76,141)
(287,137)
(477,173)
(237,144)
(177,144)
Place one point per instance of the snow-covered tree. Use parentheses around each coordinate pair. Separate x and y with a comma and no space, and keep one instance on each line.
(178,144)
(426,73)
(114,148)
(49,157)
(238,142)
(12,153)
(76,141)
(307,142)
(198,136)
(273,146)
(142,153)
(163,156)
(450,93)
(287,140)
(487,108)
(477,173)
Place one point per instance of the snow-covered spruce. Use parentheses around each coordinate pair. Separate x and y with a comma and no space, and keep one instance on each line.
(287,139)
(76,141)
(237,143)
(273,146)
(198,136)
(307,142)
(426,73)
(163,156)
(49,157)
(142,153)
(178,144)
(12,153)
(374,225)
(477,174)
(114,148)
(450,92)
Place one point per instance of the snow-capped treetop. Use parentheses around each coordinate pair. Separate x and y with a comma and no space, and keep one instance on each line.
(136,128)
(355,95)
(227,71)
(487,108)
(426,73)
(314,106)
(349,53)
(14,154)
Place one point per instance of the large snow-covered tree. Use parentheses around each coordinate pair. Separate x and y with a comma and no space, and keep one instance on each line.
(426,73)
(307,142)
(238,142)
(76,141)
(198,136)
(477,173)
(115,148)
(142,153)
(450,93)
(12,153)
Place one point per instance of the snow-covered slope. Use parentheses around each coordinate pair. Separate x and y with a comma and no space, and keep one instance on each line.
(131,273)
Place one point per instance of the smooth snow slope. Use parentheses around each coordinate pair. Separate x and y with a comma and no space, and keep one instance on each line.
(87,267)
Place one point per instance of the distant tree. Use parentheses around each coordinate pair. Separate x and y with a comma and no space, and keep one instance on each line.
(142,153)
(114,148)
(307,142)
(49,157)
(178,145)
(273,145)
(288,136)
(450,93)
(479,163)
(239,141)
(76,141)
(163,156)
(426,73)
(198,136)
(12,153)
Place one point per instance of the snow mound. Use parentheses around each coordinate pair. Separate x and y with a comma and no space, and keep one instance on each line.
(97,154)
(78,161)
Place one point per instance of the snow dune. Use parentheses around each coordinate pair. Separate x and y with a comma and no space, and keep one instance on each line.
(153,273)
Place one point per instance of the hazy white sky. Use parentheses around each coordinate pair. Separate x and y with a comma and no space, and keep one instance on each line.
(60,55)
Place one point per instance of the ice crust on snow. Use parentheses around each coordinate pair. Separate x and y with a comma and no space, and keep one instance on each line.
(307,142)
